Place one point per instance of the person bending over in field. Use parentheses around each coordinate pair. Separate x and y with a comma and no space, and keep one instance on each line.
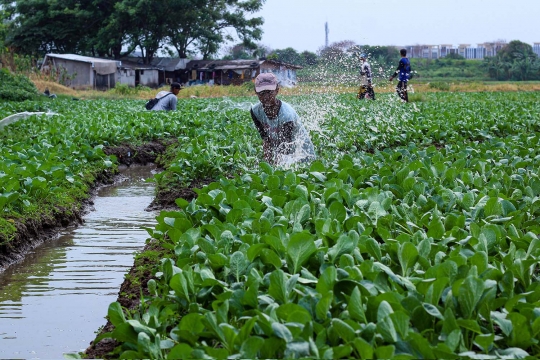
(403,72)
(366,79)
(285,139)
(167,99)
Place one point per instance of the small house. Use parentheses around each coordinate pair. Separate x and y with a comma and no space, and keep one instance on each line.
(82,72)
(133,74)
(286,73)
(236,72)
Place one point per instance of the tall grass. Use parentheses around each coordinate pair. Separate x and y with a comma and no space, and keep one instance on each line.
(205,91)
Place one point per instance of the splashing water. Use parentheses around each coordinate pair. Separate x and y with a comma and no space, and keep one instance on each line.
(228,104)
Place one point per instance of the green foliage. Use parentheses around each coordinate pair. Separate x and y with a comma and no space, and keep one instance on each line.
(105,26)
(249,86)
(515,61)
(454,56)
(386,247)
(384,55)
(448,68)
(3,30)
(288,55)
(291,56)
(124,89)
(432,277)
(16,87)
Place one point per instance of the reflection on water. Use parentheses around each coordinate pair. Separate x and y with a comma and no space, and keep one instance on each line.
(54,301)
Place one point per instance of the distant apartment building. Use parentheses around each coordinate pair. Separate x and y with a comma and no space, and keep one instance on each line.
(478,52)
(446,49)
(536,48)
(424,51)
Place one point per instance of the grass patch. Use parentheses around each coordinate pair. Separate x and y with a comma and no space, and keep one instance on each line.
(416,97)
(121,91)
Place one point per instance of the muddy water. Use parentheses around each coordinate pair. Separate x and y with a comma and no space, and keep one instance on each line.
(54,301)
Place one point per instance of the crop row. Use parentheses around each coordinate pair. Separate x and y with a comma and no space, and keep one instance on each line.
(406,253)
(412,251)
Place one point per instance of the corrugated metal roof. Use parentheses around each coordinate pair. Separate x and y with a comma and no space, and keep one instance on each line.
(208,65)
(170,64)
(102,66)
(281,63)
(126,64)
(80,58)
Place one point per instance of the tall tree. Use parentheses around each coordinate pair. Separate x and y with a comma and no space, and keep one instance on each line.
(309,58)
(201,25)
(515,49)
(3,29)
(236,52)
(143,23)
(40,26)
(515,61)
(287,55)
(385,55)
(105,27)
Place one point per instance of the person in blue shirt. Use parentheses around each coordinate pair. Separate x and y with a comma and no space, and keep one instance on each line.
(403,72)
(285,139)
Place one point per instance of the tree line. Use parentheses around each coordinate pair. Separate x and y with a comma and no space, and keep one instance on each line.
(115,28)
(188,28)
(515,61)
(344,52)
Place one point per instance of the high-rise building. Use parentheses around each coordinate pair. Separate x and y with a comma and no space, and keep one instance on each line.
(536,48)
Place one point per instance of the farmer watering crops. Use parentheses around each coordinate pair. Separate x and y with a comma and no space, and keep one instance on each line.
(285,139)
(167,99)
(403,72)
(366,78)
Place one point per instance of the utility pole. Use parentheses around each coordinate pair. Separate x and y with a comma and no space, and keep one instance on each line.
(327,31)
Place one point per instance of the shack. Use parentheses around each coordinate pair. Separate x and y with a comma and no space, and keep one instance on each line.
(171,69)
(236,72)
(133,74)
(81,72)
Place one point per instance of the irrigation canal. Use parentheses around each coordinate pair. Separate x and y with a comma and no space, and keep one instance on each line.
(54,301)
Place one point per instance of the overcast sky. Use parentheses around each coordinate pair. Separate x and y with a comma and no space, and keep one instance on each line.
(300,23)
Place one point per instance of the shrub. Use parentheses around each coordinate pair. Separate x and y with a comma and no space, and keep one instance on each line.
(123,89)
(249,86)
(16,87)
(416,98)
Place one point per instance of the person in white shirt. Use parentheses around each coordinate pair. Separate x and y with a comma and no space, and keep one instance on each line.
(167,99)
(366,80)
(285,139)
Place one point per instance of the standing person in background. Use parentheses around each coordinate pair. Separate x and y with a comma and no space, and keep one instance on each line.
(403,72)
(285,139)
(167,99)
(366,79)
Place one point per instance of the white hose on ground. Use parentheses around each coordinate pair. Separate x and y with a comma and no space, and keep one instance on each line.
(19,116)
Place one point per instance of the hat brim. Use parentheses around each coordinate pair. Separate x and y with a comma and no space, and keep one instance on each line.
(265,87)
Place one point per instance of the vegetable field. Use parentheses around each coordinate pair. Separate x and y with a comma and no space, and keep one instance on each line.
(414,234)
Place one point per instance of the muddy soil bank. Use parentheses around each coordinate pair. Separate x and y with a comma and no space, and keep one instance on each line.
(129,296)
(165,198)
(138,154)
(34,232)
